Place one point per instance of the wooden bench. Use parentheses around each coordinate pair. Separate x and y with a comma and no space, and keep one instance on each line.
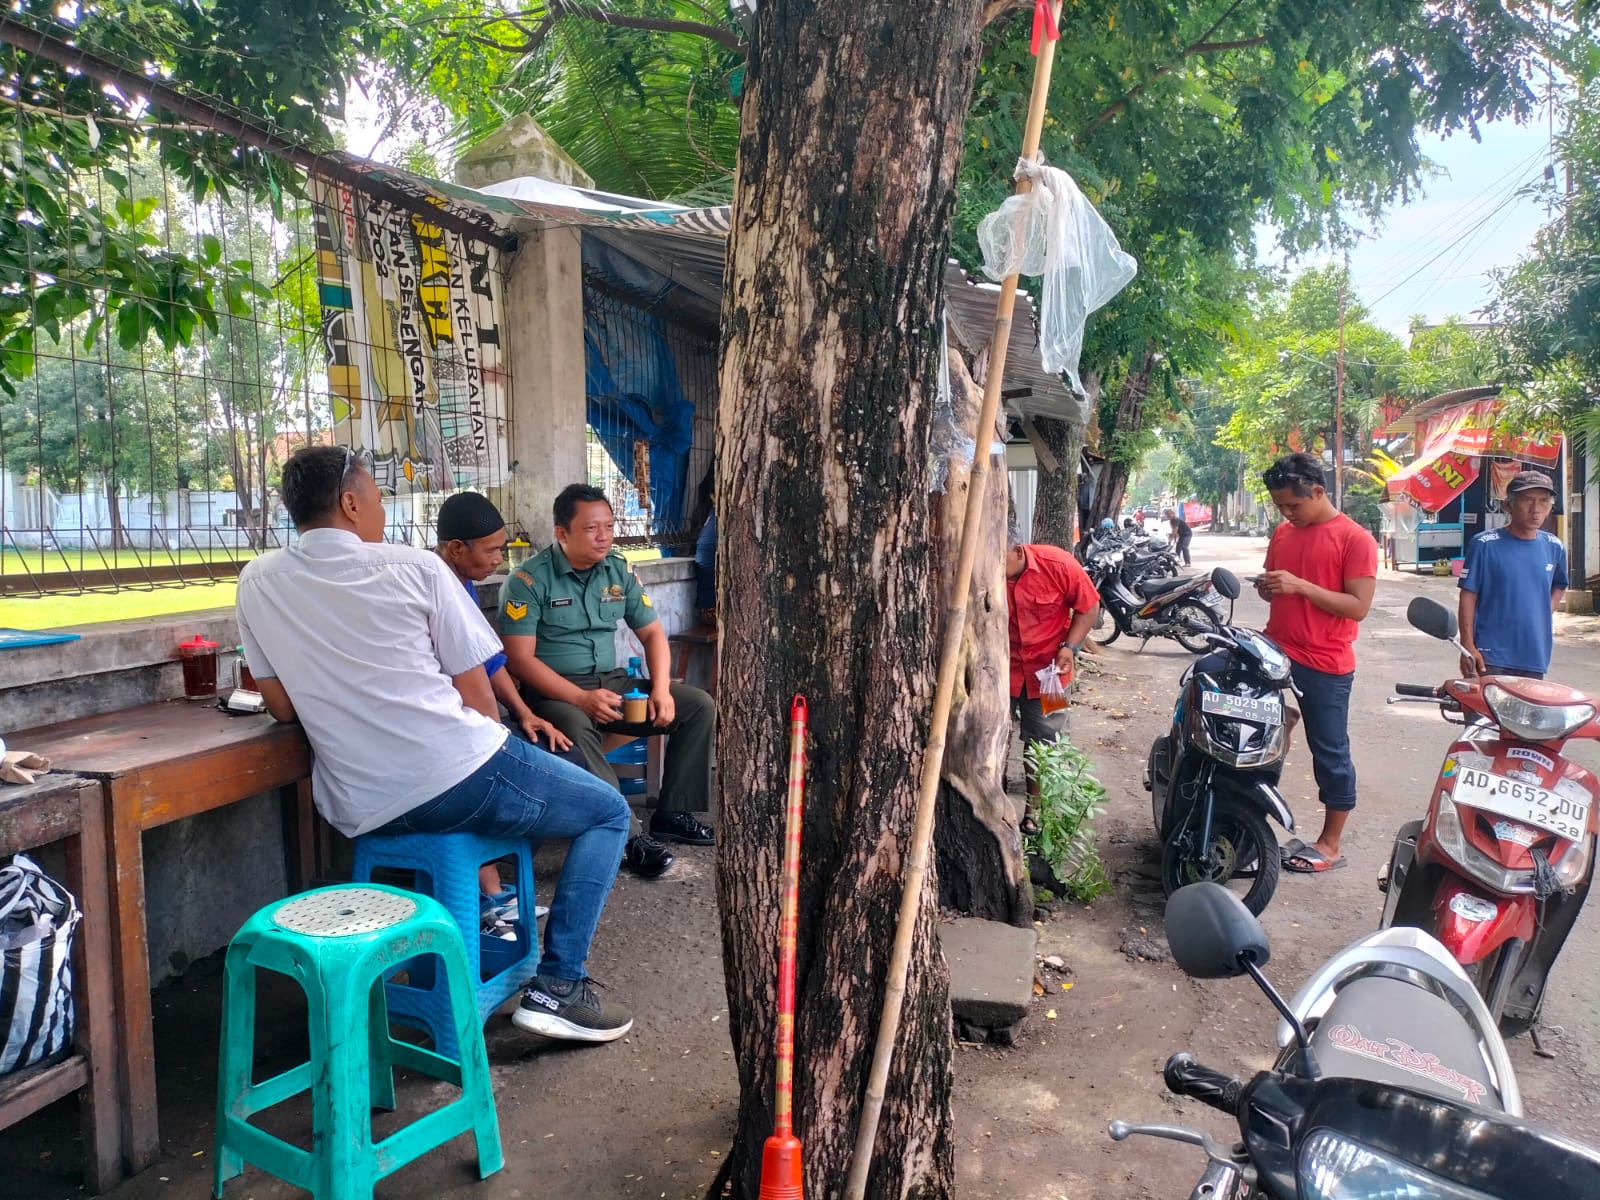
(155,764)
(67,809)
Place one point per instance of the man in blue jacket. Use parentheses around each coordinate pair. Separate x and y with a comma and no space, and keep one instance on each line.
(1515,577)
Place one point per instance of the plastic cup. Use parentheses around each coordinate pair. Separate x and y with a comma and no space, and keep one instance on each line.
(635,707)
(199,659)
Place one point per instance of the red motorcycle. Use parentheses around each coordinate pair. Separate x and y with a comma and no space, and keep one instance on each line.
(1499,869)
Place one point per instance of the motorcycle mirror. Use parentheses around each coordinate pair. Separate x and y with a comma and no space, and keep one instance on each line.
(1432,618)
(1212,933)
(1226,582)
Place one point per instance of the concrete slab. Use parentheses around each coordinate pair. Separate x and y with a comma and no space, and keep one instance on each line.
(991,971)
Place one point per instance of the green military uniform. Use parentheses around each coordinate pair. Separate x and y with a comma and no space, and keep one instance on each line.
(573,615)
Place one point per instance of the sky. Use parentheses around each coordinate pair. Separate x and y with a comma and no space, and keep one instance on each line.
(1433,256)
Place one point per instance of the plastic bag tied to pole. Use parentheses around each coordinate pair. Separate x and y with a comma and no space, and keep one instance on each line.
(1054,232)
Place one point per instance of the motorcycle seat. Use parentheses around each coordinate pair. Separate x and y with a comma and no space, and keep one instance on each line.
(1391,1031)
(1151,588)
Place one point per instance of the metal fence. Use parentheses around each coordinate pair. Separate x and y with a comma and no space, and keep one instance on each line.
(137,455)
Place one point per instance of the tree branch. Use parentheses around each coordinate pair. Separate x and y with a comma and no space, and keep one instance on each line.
(993,10)
(1200,45)
(713,33)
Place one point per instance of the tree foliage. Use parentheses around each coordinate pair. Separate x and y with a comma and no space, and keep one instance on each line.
(78,235)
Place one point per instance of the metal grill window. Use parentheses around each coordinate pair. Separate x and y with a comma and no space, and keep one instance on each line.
(137,455)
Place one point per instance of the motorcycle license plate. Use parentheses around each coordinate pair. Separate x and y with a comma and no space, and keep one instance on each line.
(1265,710)
(1526,802)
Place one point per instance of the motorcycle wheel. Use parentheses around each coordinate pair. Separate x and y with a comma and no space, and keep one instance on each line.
(1105,629)
(1242,850)
(1193,621)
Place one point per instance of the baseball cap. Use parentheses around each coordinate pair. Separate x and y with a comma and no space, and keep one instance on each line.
(1530,481)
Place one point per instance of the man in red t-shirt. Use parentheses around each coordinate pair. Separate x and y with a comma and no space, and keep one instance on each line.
(1322,569)
(1051,605)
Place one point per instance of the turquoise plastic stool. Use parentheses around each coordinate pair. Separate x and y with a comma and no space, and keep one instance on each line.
(445,867)
(338,943)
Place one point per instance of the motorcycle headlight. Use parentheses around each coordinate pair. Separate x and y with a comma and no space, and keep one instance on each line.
(1335,1168)
(1574,864)
(1452,839)
(1535,722)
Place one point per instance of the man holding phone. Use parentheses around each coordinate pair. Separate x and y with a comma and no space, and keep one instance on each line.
(1321,574)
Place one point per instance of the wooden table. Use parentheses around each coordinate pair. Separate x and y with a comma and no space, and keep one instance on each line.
(156,764)
(64,808)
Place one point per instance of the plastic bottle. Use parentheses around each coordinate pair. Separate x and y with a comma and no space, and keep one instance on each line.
(636,667)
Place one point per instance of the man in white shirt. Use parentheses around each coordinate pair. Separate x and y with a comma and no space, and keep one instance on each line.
(376,650)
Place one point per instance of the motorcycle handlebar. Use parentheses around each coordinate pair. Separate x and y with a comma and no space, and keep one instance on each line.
(1421,691)
(1186,1077)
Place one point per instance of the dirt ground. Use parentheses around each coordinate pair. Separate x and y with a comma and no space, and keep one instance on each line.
(649,1116)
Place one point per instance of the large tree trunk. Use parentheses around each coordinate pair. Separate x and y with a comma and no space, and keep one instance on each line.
(1055,501)
(1113,484)
(850,137)
(978,848)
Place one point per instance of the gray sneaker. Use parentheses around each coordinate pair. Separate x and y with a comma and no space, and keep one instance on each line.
(570,1010)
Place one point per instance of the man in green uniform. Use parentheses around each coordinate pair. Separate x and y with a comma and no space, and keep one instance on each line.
(558,617)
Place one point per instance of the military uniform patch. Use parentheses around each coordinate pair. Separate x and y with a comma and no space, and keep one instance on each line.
(516,611)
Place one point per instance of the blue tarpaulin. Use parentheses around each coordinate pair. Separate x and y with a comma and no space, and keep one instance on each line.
(633,392)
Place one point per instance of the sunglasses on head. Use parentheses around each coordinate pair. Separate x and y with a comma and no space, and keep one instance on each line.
(1276,477)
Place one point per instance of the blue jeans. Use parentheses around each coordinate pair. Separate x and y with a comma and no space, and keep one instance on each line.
(525,791)
(1325,716)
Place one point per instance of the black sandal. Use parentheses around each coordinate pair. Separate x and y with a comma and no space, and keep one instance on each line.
(1028,826)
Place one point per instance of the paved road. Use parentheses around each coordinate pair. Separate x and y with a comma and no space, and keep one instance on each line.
(1032,1125)
(1397,753)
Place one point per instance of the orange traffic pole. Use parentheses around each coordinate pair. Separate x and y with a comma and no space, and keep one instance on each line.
(780,1157)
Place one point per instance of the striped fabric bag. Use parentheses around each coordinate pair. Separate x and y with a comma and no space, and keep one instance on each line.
(38,920)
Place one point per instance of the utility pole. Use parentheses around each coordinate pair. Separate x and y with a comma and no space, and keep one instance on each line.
(1338,396)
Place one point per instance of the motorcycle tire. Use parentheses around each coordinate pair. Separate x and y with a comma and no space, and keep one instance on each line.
(1192,621)
(1239,835)
(1105,629)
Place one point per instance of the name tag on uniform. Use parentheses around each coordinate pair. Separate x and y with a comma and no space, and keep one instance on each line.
(562,603)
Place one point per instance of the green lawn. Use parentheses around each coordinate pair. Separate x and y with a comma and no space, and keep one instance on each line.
(53,612)
(19,562)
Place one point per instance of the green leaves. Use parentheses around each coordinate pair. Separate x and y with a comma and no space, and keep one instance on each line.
(1070,799)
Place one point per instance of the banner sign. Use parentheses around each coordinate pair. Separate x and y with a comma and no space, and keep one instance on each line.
(411,328)
(1470,429)
(1432,484)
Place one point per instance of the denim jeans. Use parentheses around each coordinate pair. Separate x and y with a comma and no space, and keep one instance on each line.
(525,791)
(1325,716)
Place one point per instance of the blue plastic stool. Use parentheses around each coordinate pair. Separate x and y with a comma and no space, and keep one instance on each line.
(338,943)
(446,868)
(632,754)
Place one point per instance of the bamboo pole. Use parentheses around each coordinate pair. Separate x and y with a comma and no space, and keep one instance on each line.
(955,620)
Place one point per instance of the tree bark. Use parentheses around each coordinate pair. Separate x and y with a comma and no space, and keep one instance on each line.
(976,844)
(850,136)
(1113,483)
(1055,501)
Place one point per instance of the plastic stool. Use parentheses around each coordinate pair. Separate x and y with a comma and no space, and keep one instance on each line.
(338,942)
(446,867)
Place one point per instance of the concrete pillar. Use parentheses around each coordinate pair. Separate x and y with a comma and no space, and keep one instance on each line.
(544,337)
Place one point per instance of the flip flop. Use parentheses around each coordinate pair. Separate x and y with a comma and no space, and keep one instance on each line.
(1290,848)
(1311,861)
(1028,826)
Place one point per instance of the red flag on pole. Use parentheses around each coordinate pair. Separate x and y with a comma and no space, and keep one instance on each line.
(1044,24)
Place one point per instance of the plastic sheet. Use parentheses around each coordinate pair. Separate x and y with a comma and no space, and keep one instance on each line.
(1054,232)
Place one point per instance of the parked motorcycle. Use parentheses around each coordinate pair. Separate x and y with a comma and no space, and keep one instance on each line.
(1213,777)
(1185,609)
(1500,867)
(1391,1080)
